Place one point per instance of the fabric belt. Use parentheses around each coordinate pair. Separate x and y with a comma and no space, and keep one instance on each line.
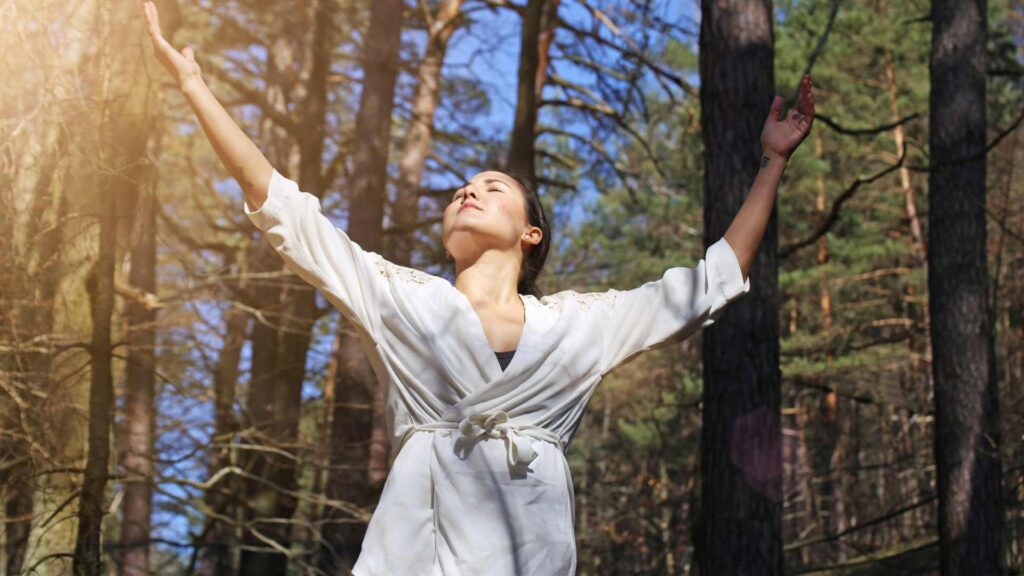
(497,425)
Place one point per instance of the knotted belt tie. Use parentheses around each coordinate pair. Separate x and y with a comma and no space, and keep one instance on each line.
(497,425)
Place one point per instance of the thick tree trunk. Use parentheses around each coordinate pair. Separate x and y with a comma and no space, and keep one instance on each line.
(279,350)
(49,428)
(415,149)
(58,428)
(140,407)
(538,31)
(101,391)
(220,536)
(132,129)
(967,434)
(88,559)
(417,140)
(741,462)
(29,305)
(355,384)
(270,475)
(351,422)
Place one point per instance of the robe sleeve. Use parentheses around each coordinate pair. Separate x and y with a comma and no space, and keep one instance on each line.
(323,255)
(670,309)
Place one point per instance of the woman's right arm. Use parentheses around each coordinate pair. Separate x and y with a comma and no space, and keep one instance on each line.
(352,279)
(237,152)
(243,160)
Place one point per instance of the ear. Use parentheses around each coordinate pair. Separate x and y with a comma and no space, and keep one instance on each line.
(533,235)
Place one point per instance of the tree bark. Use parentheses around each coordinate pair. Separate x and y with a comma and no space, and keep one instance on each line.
(140,407)
(101,392)
(220,536)
(538,29)
(967,434)
(741,462)
(355,390)
(29,303)
(417,141)
(826,428)
(415,149)
(88,559)
(280,349)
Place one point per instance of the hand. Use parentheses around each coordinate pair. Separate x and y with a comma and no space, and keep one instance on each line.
(782,137)
(182,65)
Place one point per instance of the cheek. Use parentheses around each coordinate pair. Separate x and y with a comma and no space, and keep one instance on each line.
(510,209)
(446,219)
(515,213)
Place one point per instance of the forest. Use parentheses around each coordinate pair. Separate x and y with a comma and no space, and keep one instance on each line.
(175,400)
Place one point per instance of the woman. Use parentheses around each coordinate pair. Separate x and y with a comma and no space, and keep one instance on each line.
(480,483)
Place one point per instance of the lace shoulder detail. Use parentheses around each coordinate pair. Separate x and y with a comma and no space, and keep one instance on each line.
(555,301)
(583,300)
(587,299)
(389,269)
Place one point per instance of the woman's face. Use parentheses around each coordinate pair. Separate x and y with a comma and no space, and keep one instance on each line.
(488,212)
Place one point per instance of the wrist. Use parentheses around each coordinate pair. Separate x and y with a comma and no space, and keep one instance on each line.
(191,85)
(769,157)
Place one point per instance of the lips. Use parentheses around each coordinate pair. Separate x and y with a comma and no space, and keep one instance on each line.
(469,205)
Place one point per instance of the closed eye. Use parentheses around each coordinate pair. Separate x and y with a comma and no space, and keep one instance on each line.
(491,189)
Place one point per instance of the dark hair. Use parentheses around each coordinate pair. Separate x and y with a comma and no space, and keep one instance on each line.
(535,257)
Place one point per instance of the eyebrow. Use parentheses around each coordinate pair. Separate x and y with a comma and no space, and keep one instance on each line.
(486,181)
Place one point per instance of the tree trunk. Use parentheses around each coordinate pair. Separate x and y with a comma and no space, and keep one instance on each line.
(101,392)
(415,149)
(825,429)
(140,408)
(537,34)
(352,421)
(59,427)
(417,141)
(29,304)
(220,536)
(967,434)
(88,559)
(280,349)
(741,460)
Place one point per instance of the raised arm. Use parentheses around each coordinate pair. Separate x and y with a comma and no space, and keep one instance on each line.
(236,151)
(779,139)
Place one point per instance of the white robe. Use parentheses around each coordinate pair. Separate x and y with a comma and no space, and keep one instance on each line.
(480,484)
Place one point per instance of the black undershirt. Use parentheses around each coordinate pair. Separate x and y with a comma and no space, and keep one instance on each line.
(504,358)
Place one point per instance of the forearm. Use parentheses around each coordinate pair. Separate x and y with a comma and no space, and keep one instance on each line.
(242,158)
(747,229)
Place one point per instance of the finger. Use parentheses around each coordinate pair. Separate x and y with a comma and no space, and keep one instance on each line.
(164,49)
(776,108)
(805,105)
(189,53)
(152,19)
(808,107)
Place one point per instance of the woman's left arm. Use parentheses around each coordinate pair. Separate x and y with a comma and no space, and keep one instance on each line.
(779,139)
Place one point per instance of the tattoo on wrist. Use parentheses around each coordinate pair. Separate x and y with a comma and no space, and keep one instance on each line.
(765,159)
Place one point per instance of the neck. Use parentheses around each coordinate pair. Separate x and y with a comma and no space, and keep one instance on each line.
(490,279)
